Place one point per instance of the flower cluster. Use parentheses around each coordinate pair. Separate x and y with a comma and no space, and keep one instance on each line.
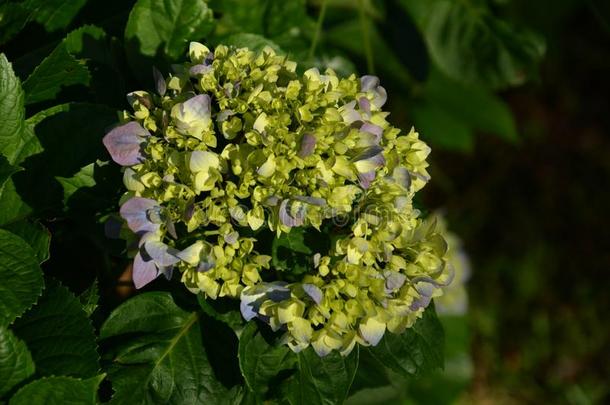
(235,143)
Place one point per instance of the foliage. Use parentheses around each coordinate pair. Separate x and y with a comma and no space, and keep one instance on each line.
(62,80)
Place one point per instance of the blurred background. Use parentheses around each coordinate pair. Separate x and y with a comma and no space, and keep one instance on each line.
(513,97)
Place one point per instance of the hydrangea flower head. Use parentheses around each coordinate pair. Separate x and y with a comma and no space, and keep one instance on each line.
(235,145)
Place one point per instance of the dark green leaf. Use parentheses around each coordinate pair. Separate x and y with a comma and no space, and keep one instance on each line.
(255,42)
(475,106)
(83,178)
(21,277)
(223,311)
(16,362)
(78,128)
(89,298)
(6,171)
(160,30)
(59,391)
(35,234)
(58,70)
(441,128)
(11,111)
(14,18)
(157,354)
(470,44)
(59,335)
(293,251)
(53,14)
(322,380)
(417,350)
(259,361)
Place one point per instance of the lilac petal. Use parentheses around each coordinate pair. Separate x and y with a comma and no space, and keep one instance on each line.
(394,281)
(308,144)
(198,105)
(278,293)
(421,302)
(124,143)
(224,115)
(381,96)
(188,212)
(205,264)
(247,312)
(311,200)
(366,178)
(162,254)
(365,105)
(168,272)
(199,69)
(372,129)
(112,228)
(143,271)
(368,153)
(288,219)
(134,211)
(231,238)
(314,292)
(349,113)
(368,82)
(160,83)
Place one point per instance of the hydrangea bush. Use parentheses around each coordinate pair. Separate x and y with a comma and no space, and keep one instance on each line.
(236,148)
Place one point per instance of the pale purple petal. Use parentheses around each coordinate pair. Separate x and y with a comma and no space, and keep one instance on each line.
(394,281)
(308,144)
(314,292)
(224,115)
(143,271)
(206,264)
(159,81)
(162,254)
(421,302)
(372,129)
(366,178)
(365,105)
(368,82)
(124,143)
(369,153)
(135,212)
(381,96)
(231,238)
(167,272)
(199,69)
(401,176)
(288,219)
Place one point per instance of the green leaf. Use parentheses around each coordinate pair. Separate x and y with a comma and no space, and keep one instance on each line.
(255,42)
(11,110)
(35,234)
(16,362)
(59,391)
(53,14)
(82,178)
(259,361)
(322,380)
(441,128)
(14,18)
(157,354)
(6,171)
(59,334)
(160,30)
(474,105)
(89,298)
(226,311)
(470,44)
(21,277)
(58,70)
(348,36)
(292,252)
(70,136)
(417,350)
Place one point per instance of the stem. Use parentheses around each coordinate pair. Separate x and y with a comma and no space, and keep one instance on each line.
(366,39)
(316,35)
